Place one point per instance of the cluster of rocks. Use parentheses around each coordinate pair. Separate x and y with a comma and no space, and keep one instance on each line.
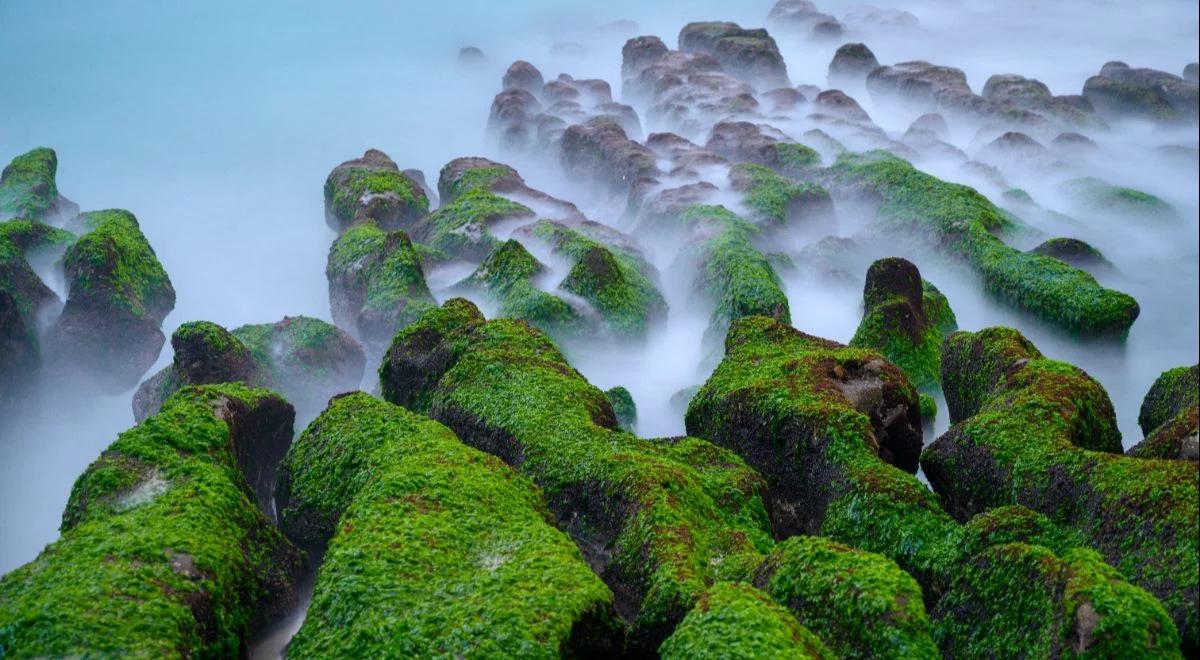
(107,332)
(490,501)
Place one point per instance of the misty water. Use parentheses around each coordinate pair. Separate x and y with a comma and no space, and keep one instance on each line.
(216,123)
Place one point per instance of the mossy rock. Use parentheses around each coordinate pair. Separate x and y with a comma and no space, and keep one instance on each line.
(1075,252)
(306,359)
(1033,431)
(737,621)
(660,521)
(372,188)
(24,299)
(732,274)
(1073,606)
(434,548)
(109,331)
(462,175)
(376,283)
(780,203)
(28,189)
(1170,416)
(861,604)
(617,282)
(1092,194)
(163,551)
(205,353)
(460,229)
(623,406)
(960,220)
(506,278)
(905,318)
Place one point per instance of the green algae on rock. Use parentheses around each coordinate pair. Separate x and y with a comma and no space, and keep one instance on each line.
(790,403)
(1170,416)
(109,330)
(1092,194)
(506,278)
(906,318)
(372,188)
(962,221)
(862,605)
(658,520)
(461,228)
(305,359)
(376,283)
(743,624)
(28,189)
(777,202)
(163,551)
(1033,431)
(623,406)
(732,273)
(434,548)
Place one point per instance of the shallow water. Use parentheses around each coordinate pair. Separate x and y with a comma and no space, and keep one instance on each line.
(216,124)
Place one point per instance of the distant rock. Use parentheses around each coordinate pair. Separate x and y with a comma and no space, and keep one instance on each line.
(1120,91)
(851,62)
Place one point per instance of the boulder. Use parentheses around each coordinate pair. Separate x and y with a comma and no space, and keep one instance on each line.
(601,150)
(506,278)
(744,623)
(1170,417)
(851,63)
(163,550)
(1120,91)
(749,54)
(28,189)
(623,407)
(372,188)
(368,477)
(523,76)
(471,57)
(1075,252)
(109,332)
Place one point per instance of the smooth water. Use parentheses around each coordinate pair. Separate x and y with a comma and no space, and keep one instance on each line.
(217,122)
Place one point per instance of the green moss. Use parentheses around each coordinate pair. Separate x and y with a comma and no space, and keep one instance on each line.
(460,229)
(435,548)
(771,196)
(1017,196)
(376,281)
(357,192)
(794,157)
(664,519)
(1095,195)
(1074,606)
(962,221)
(305,358)
(1033,431)
(163,552)
(623,406)
(506,278)
(19,239)
(737,621)
(27,187)
(112,267)
(734,275)
(1172,392)
(475,178)
(861,604)
(928,407)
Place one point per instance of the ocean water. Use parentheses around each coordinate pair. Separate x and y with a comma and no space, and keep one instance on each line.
(217,122)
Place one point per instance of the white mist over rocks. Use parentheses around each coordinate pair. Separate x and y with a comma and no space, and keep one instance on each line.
(216,124)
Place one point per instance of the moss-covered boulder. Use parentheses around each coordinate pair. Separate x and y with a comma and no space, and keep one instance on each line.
(376,283)
(962,221)
(600,149)
(434,548)
(28,189)
(618,282)
(743,141)
(659,521)
(109,331)
(461,228)
(906,318)
(1121,91)
(623,406)
(163,551)
(507,279)
(779,203)
(25,301)
(860,604)
(730,272)
(306,359)
(737,621)
(463,175)
(1029,430)
(1170,416)
(1075,252)
(1092,195)
(1110,617)
(787,402)
(372,188)
(747,53)
(205,353)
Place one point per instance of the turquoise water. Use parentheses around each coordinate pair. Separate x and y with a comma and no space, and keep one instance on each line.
(217,122)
